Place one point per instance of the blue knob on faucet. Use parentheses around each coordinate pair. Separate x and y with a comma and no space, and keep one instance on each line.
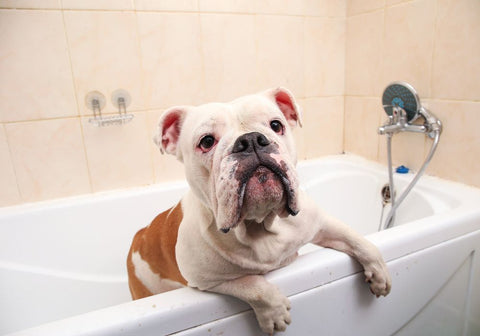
(402,169)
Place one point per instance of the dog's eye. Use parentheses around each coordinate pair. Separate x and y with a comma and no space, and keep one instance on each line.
(206,143)
(276,126)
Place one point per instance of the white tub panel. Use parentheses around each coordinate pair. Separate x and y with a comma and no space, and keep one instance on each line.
(52,298)
(444,314)
(426,285)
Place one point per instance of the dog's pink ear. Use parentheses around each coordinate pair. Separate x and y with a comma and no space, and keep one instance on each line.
(287,104)
(169,128)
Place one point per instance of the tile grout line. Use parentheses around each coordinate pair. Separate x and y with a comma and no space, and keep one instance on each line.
(150,109)
(435,28)
(143,90)
(382,70)
(171,11)
(10,153)
(78,116)
(426,148)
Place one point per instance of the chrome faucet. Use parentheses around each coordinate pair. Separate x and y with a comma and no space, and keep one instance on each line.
(397,122)
(402,106)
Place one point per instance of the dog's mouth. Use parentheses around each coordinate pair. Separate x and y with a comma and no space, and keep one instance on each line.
(263,188)
(266,186)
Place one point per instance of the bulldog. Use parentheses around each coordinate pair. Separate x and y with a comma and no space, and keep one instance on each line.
(245,214)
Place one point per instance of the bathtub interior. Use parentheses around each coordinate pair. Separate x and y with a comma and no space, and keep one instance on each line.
(67,257)
(351,192)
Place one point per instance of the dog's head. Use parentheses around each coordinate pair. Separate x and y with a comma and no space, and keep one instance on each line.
(239,157)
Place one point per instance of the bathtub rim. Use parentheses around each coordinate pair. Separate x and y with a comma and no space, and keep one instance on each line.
(320,267)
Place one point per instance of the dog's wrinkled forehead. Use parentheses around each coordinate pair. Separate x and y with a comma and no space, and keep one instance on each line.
(243,115)
(206,125)
(206,119)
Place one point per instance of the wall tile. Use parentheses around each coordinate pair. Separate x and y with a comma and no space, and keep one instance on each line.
(229,55)
(226,6)
(9,191)
(167,5)
(49,158)
(37,4)
(36,80)
(324,8)
(172,62)
(98,4)
(362,119)
(363,54)
(323,126)
(105,56)
(355,7)
(285,7)
(458,153)
(324,57)
(408,44)
(280,43)
(329,8)
(395,2)
(456,62)
(119,155)
(166,167)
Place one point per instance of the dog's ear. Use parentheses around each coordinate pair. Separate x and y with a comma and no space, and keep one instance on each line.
(169,128)
(287,104)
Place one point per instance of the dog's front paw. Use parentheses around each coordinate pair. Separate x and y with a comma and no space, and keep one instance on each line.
(377,275)
(272,312)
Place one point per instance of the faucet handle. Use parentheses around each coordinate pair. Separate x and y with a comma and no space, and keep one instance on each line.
(400,115)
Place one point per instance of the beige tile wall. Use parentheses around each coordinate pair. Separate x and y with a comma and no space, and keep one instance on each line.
(53,52)
(336,56)
(435,46)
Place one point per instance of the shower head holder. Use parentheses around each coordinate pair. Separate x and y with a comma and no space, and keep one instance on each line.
(401,95)
(402,105)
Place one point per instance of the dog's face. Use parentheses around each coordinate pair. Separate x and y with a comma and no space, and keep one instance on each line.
(239,157)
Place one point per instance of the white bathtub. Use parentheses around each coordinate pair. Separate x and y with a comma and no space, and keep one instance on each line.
(63,262)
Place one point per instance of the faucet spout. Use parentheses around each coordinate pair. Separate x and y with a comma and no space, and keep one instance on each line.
(389,129)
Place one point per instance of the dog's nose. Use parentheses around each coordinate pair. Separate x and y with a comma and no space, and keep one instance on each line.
(249,142)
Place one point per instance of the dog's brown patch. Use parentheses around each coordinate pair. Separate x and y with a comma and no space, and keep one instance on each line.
(156,245)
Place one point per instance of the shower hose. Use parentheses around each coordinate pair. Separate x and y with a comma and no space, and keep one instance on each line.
(396,203)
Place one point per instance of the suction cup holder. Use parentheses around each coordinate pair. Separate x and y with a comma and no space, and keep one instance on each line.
(96,102)
(404,96)
(121,99)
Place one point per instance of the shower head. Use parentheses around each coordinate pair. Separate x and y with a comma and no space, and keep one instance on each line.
(404,96)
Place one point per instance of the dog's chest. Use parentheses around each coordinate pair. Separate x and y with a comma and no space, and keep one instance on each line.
(261,251)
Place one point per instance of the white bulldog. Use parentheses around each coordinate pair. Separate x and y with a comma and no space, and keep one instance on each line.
(244,215)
